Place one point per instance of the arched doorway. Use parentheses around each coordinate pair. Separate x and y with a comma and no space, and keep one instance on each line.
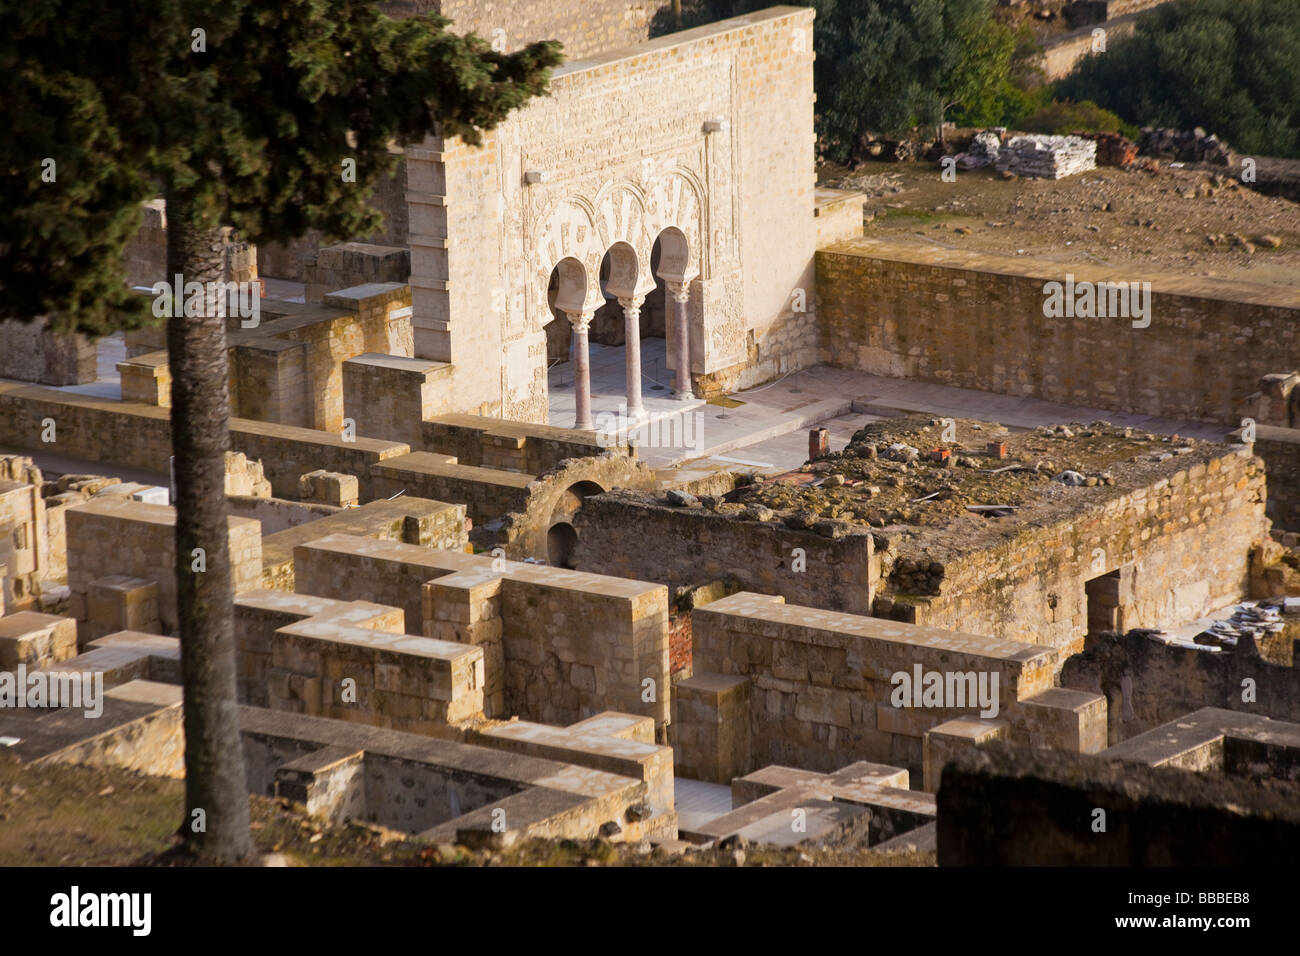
(566,289)
(561,540)
(562,537)
(671,266)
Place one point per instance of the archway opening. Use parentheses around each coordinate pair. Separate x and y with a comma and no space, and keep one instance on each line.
(565,289)
(669,262)
(561,541)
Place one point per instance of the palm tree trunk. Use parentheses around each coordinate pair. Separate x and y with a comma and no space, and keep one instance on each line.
(200,418)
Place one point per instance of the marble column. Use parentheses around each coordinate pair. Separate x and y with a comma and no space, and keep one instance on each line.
(681,295)
(632,347)
(581,322)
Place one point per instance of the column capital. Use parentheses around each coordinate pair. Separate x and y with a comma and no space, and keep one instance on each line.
(680,291)
(631,303)
(581,321)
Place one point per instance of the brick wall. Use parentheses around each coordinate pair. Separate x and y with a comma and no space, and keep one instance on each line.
(975,321)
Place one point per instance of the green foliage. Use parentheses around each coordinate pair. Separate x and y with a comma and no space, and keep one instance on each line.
(1230,66)
(252,131)
(886,66)
(1060,118)
(889,65)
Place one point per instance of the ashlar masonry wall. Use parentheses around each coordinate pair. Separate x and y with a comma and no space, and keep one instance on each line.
(821,685)
(557,643)
(1181,548)
(687,547)
(119,538)
(976,321)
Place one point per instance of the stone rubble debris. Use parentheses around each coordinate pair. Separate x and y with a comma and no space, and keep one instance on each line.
(1047,157)
(1249,618)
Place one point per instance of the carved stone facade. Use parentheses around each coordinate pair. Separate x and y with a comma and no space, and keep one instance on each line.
(701,140)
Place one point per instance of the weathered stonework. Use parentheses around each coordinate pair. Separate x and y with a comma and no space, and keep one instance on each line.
(936,315)
(550,188)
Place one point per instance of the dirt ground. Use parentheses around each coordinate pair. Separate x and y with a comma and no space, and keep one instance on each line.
(1188,221)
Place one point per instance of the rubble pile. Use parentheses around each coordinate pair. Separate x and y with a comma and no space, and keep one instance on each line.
(1255,620)
(1113,149)
(983,150)
(1047,157)
(1188,146)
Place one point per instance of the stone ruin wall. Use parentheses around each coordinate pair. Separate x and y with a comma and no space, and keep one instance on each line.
(1149,683)
(976,321)
(1182,547)
(688,547)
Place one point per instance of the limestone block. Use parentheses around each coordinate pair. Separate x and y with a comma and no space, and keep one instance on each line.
(711,724)
(941,743)
(36,640)
(330,488)
(121,603)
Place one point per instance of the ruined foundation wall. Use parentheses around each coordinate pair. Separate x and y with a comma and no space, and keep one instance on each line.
(1280,449)
(976,321)
(635,536)
(822,681)
(133,435)
(126,539)
(1182,548)
(32,352)
(1149,683)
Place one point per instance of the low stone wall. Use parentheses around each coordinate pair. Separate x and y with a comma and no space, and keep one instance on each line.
(351,264)
(823,684)
(1280,450)
(1001,807)
(33,352)
(977,321)
(416,521)
(688,546)
(277,514)
(138,436)
(540,663)
(487,492)
(326,666)
(260,613)
(390,396)
(1149,683)
(119,538)
(513,446)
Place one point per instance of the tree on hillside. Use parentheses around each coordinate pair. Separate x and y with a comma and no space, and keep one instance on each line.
(1230,66)
(271,119)
(886,66)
